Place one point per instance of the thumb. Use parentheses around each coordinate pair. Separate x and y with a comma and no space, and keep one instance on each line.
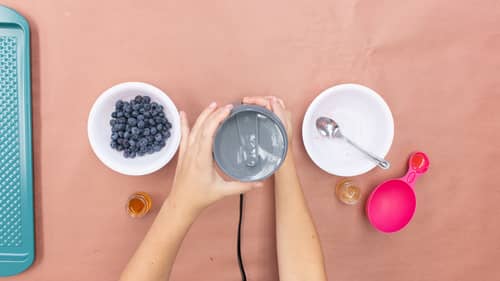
(235,187)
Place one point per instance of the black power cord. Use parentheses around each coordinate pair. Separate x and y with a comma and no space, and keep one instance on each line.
(238,246)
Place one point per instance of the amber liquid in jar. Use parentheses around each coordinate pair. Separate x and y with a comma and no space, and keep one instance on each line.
(347,192)
(139,204)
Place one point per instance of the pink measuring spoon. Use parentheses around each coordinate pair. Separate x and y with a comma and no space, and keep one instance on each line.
(391,205)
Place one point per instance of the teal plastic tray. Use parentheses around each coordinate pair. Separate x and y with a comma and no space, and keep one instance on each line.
(17,245)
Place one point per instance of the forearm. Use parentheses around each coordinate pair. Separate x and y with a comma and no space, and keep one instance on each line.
(155,256)
(298,245)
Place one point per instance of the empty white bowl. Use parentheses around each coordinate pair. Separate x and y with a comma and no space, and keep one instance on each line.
(99,129)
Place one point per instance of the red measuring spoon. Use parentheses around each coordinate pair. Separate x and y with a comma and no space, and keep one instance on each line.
(391,205)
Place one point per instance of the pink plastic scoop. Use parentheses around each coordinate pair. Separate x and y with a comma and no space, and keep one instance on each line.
(391,205)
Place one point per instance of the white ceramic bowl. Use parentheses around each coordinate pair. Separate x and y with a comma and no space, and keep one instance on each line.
(99,129)
(362,115)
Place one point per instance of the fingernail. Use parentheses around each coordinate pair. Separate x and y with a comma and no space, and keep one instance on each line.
(212,104)
(229,106)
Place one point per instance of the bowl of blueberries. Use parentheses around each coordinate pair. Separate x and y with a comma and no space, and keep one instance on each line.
(134,128)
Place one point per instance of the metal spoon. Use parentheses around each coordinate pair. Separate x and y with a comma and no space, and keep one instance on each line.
(329,128)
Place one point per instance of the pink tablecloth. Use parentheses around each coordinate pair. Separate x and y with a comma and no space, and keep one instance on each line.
(435,62)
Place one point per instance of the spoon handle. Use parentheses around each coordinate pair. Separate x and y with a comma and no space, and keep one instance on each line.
(382,163)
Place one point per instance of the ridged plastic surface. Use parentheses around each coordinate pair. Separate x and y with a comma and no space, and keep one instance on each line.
(10,193)
(16,183)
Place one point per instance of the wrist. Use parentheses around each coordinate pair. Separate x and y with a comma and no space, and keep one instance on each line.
(180,209)
(288,164)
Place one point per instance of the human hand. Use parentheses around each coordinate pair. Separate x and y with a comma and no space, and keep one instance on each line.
(277,106)
(197,184)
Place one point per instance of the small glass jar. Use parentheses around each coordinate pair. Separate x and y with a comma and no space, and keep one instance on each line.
(347,192)
(139,204)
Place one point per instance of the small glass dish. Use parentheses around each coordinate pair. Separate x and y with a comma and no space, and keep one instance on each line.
(347,192)
(139,204)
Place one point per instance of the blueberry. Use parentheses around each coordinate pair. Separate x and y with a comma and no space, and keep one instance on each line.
(147,114)
(134,113)
(135,137)
(127,108)
(160,107)
(161,114)
(166,134)
(152,130)
(114,144)
(136,107)
(150,139)
(135,131)
(118,128)
(126,134)
(119,104)
(132,121)
(140,117)
(119,114)
(120,134)
(168,125)
(127,115)
(158,137)
(156,148)
(159,127)
(147,107)
(146,132)
(114,136)
(150,150)
(154,113)
(119,147)
(126,154)
(121,120)
(146,99)
(143,142)
(132,102)
(138,99)
(151,122)
(131,142)
(161,143)
(114,114)
(132,154)
(140,153)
